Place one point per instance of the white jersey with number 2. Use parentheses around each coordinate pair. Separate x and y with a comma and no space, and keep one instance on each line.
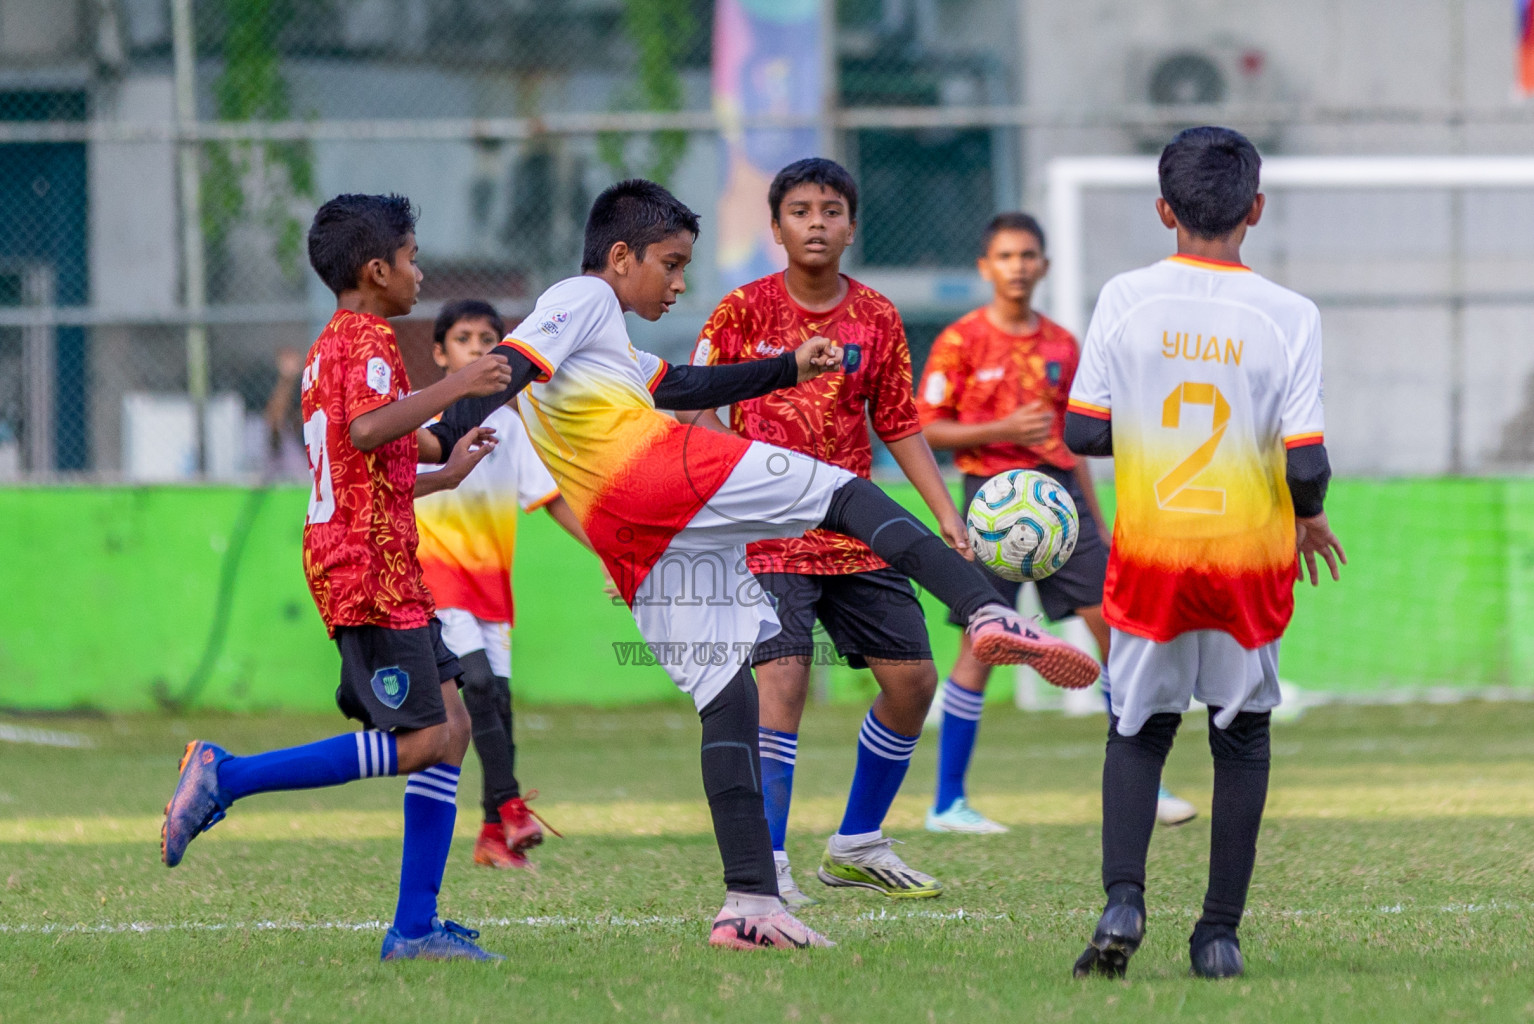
(1207,371)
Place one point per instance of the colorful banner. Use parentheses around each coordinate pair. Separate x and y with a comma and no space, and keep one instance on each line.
(766,63)
(1526,47)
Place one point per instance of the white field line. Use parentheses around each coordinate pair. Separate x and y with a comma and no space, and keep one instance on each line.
(648,921)
(44,737)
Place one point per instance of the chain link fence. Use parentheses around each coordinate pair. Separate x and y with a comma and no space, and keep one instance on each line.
(160,161)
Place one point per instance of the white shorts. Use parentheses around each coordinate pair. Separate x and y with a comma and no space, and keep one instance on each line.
(1146,678)
(700,610)
(465,633)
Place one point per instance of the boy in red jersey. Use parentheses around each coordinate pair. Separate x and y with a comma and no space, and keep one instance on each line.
(671,509)
(994,392)
(397,678)
(468,540)
(868,608)
(1203,380)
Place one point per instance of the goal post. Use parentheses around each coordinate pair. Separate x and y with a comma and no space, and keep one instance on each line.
(1423,268)
(1068,178)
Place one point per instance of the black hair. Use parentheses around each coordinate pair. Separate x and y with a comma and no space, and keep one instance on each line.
(814,170)
(1013,220)
(1209,179)
(352,229)
(466,309)
(635,211)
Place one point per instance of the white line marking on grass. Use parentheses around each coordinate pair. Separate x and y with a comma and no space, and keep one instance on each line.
(44,737)
(648,921)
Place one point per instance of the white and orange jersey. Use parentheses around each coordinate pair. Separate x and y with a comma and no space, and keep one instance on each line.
(469,534)
(633,475)
(1207,372)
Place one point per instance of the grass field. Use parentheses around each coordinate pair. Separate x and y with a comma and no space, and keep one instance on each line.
(1393,883)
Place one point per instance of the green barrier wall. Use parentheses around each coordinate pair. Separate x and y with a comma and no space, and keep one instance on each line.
(121,598)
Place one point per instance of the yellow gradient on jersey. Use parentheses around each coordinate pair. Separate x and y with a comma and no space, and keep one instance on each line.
(1232,516)
(475,534)
(587,428)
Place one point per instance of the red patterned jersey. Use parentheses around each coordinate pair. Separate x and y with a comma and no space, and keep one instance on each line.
(827,417)
(978,373)
(359,535)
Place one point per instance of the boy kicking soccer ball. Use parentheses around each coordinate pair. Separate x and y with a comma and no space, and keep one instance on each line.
(869,609)
(994,392)
(397,678)
(670,509)
(1203,380)
(468,539)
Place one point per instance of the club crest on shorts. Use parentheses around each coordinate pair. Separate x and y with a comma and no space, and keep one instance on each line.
(390,686)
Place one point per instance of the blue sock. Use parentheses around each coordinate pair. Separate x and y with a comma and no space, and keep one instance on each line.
(431,809)
(779,751)
(883,757)
(345,758)
(956,742)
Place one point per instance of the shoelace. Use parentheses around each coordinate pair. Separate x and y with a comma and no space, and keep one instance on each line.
(532,794)
(458,930)
(882,854)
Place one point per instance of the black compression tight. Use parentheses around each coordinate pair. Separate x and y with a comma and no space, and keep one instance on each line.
(487,697)
(860,509)
(1241,760)
(732,779)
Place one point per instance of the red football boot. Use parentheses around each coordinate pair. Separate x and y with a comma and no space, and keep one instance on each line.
(523,827)
(490,849)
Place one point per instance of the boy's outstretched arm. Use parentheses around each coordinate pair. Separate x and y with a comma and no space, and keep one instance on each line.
(709,387)
(487,375)
(916,462)
(1308,472)
(466,454)
(462,416)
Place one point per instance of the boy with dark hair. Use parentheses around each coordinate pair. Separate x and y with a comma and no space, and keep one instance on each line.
(994,392)
(468,541)
(397,678)
(1203,380)
(669,507)
(868,609)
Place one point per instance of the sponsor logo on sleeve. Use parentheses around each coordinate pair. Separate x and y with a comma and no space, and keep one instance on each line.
(701,354)
(554,321)
(379,375)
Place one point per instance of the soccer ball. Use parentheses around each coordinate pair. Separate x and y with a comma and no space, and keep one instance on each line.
(1022,525)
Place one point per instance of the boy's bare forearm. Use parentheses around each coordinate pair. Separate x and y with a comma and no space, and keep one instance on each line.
(431,483)
(561,512)
(393,421)
(915,460)
(945,435)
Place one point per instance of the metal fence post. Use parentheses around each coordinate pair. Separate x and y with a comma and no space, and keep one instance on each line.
(194,269)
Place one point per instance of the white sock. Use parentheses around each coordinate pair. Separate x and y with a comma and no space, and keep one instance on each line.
(840,844)
(751,904)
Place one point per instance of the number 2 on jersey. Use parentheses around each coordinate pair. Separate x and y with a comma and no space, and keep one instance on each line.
(322,496)
(1175,491)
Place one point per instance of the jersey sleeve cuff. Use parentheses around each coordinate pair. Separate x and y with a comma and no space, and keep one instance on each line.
(657,376)
(899,433)
(546,499)
(1097,412)
(1301,440)
(367,405)
(545,371)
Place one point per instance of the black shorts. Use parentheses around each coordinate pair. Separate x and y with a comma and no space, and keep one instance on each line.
(871,614)
(391,679)
(1076,584)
